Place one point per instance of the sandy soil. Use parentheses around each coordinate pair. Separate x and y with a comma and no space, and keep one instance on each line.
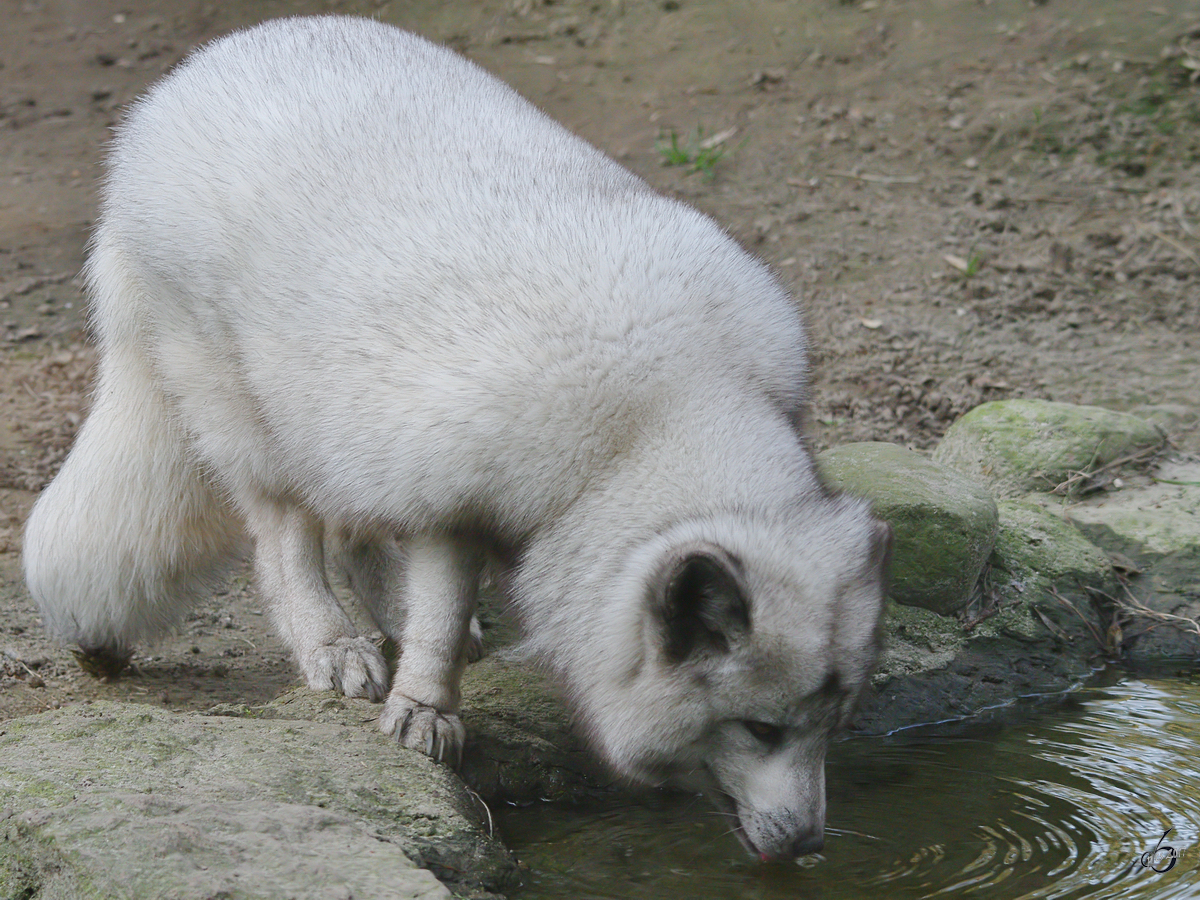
(972,199)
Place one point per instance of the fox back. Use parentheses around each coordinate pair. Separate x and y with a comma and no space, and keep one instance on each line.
(465,271)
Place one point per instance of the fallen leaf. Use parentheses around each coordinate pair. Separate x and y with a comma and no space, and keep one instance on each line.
(719,138)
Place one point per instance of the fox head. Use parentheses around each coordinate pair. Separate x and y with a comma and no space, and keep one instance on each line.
(750,647)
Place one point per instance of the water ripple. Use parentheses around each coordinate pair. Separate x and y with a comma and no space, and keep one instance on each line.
(1064,807)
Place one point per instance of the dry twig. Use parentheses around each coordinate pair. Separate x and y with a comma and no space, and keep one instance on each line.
(879,179)
(1090,627)
(1071,485)
(1136,609)
(1171,242)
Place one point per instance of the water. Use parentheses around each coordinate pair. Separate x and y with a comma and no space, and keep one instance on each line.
(1064,806)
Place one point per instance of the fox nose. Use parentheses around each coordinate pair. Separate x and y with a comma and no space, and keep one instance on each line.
(808,843)
(813,842)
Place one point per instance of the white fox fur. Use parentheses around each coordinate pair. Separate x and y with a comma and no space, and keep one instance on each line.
(343,278)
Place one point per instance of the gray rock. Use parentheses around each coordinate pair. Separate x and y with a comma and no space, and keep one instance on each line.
(1021,446)
(1156,528)
(1157,520)
(1052,608)
(1046,581)
(944,524)
(1170,417)
(936,669)
(121,800)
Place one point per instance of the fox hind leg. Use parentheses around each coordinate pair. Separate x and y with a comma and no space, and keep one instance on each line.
(289,563)
(375,569)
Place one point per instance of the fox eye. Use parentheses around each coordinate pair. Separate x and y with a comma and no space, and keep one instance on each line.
(771,735)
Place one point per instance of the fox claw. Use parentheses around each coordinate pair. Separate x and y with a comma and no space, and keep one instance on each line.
(438,735)
(352,666)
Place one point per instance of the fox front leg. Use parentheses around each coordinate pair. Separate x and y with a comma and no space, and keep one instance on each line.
(441,585)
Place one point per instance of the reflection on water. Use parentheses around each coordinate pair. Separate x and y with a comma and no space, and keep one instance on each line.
(1062,807)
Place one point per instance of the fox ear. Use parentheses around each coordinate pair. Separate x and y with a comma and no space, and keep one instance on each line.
(700,601)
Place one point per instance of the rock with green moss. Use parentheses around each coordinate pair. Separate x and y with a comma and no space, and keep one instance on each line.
(944,524)
(1038,552)
(1045,575)
(1022,446)
(521,746)
(126,801)
(520,743)
(1033,629)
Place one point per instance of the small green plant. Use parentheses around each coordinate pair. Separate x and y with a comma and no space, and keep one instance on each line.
(698,154)
(966,268)
(974,261)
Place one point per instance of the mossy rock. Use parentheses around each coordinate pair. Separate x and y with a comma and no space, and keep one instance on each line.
(1046,579)
(944,524)
(521,746)
(1024,446)
(129,801)
(1038,550)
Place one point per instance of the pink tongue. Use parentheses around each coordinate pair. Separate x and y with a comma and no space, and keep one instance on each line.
(763,857)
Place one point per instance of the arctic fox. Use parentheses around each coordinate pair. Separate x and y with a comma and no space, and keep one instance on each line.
(344,279)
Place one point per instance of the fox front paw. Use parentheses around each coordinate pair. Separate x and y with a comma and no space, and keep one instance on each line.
(353,665)
(419,727)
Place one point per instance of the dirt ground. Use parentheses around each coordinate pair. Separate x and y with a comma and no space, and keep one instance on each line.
(972,200)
